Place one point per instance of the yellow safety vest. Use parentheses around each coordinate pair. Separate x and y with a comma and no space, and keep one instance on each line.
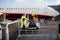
(23,22)
(21,26)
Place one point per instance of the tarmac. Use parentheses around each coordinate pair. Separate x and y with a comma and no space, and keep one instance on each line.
(46,32)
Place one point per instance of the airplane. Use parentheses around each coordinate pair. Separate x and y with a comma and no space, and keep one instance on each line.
(16,11)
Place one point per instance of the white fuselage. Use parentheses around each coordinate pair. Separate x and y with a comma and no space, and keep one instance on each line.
(28,9)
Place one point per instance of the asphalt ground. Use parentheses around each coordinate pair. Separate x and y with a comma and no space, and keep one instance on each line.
(47,31)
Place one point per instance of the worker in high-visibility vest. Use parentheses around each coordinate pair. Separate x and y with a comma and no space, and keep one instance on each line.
(24,22)
(35,19)
(31,17)
(23,25)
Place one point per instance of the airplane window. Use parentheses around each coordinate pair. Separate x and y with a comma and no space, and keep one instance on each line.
(25,8)
(11,8)
(30,8)
(16,8)
(21,8)
(8,8)
(34,8)
(1,8)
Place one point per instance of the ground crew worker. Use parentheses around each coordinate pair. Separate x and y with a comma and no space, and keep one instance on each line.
(23,24)
(35,19)
(31,17)
(22,21)
(22,27)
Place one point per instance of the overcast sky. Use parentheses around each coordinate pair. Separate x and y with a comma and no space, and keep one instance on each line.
(35,2)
